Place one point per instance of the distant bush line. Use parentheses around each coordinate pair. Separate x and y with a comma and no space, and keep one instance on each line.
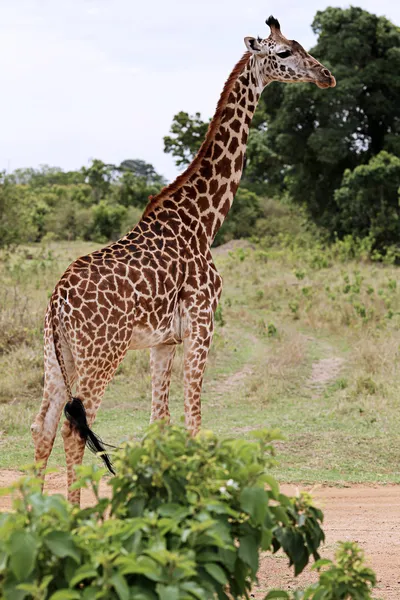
(99,203)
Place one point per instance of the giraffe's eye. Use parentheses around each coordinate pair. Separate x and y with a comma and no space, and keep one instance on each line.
(284,54)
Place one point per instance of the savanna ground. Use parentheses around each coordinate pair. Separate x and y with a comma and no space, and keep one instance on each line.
(306,341)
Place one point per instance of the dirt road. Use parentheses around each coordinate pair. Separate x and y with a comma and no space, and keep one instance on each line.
(367,515)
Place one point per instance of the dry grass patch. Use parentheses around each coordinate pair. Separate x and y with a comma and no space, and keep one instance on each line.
(283,369)
(21,373)
(282,310)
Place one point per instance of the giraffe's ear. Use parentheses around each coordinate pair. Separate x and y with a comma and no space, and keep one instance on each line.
(252,45)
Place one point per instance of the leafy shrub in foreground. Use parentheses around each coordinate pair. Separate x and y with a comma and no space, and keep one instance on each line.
(348,578)
(186,520)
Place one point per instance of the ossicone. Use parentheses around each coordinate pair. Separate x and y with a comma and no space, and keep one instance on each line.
(273,23)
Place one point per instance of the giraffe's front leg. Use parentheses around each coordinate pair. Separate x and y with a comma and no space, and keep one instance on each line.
(196,348)
(161,358)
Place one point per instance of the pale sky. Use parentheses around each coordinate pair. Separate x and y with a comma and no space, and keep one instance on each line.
(84,79)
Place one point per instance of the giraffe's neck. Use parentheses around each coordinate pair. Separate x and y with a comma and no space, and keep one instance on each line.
(204,193)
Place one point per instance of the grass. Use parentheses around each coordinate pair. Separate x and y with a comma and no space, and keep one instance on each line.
(288,312)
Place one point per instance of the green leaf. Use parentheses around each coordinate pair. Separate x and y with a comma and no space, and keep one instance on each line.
(44,584)
(216,572)
(139,593)
(89,593)
(11,590)
(167,592)
(62,545)
(65,595)
(120,586)
(69,568)
(175,511)
(227,558)
(280,514)
(221,508)
(285,536)
(248,552)
(84,572)
(44,504)
(3,560)
(195,590)
(266,539)
(208,557)
(23,547)
(277,594)
(58,504)
(322,562)
(254,501)
(140,566)
(273,484)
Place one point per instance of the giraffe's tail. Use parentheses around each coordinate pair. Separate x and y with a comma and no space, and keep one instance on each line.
(74,410)
(75,413)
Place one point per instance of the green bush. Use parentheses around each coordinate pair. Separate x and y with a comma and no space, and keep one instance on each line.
(242,217)
(368,201)
(346,579)
(95,203)
(107,219)
(186,520)
(16,223)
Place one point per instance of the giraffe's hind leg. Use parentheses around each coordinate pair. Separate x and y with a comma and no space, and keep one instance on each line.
(89,390)
(74,443)
(44,427)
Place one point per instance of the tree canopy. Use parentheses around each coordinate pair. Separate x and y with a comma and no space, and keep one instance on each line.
(317,135)
(188,133)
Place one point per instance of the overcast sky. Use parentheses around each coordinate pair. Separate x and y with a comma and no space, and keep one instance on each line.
(84,79)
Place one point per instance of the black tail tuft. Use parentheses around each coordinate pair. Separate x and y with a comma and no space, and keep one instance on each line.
(75,413)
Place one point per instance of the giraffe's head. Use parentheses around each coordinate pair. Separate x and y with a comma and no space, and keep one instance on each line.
(280,59)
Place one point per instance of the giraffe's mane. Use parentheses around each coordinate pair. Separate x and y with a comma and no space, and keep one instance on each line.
(155,201)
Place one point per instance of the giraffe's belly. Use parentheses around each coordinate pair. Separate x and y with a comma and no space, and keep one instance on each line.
(144,336)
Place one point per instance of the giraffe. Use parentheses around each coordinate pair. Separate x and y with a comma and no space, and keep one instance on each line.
(157,286)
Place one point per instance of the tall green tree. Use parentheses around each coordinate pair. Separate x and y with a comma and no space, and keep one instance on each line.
(135,191)
(143,170)
(99,176)
(188,133)
(310,138)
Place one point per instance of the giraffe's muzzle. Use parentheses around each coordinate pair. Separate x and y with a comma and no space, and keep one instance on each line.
(325,79)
